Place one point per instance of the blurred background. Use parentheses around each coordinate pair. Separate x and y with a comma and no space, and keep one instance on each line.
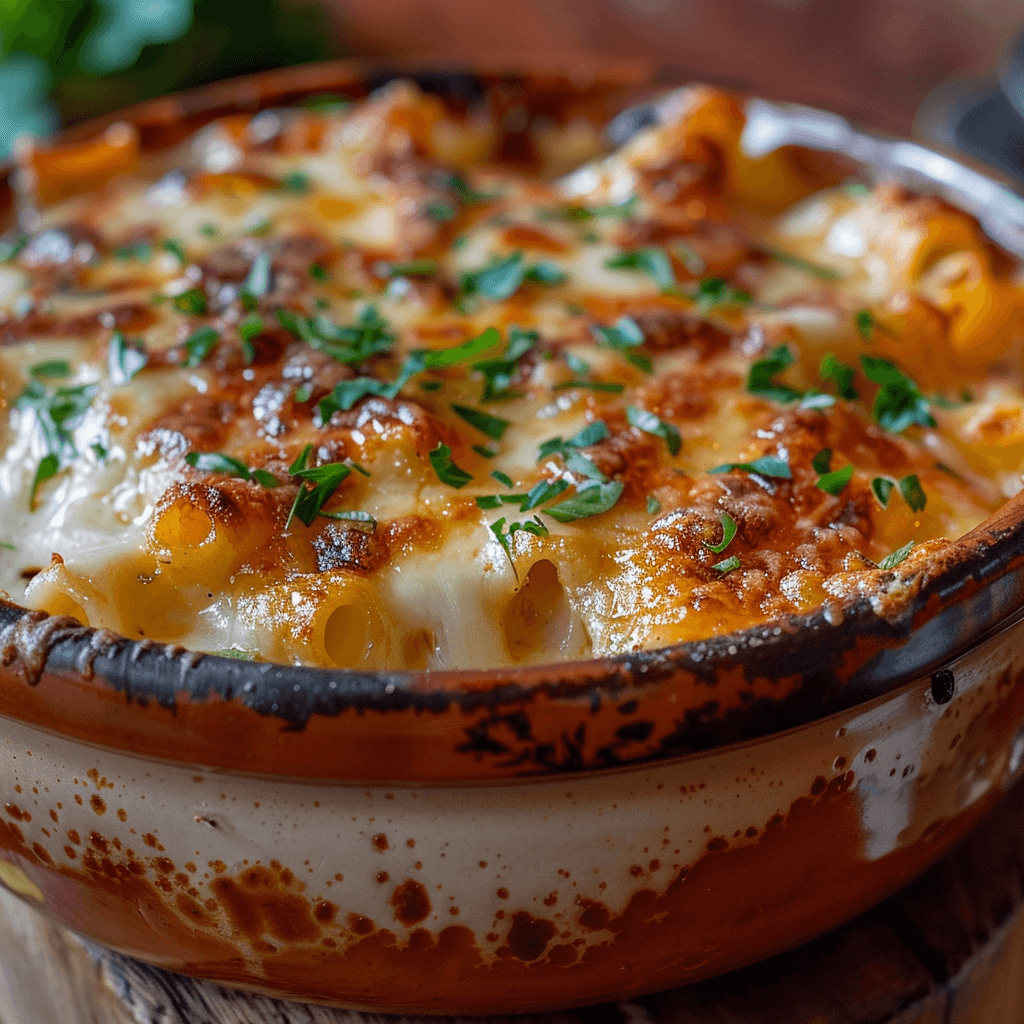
(884,62)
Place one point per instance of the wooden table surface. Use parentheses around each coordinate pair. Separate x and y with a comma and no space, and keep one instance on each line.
(948,949)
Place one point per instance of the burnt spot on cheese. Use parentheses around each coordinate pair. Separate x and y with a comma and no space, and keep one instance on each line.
(356,547)
(203,421)
(666,329)
(36,325)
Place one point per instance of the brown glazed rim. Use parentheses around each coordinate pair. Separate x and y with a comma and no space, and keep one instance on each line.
(166,703)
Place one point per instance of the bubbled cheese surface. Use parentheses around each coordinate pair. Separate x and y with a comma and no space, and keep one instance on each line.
(226,424)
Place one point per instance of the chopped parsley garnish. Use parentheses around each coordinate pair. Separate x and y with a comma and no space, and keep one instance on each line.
(198,345)
(303,392)
(767,465)
(588,501)
(761,378)
(486,451)
(834,482)
(546,272)
(140,252)
(192,302)
(58,412)
(624,336)
(651,424)
(881,487)
(899,403)
(251,327)
(822,461)
(727,565)
(209,230)
(325,479)
(652,261)
(446,470)
(831,370)
(865,324)
(217,462)
(347,392)
(493,426)
(176,249)
(892,560)
(257,283)
(653,505)
(318,272)
(589,435)
(467,195)
(913,493)
(295,182)
(504,534)
(498,373)
(11,244)
(235,652)
(412,268)
(797,263)
(583,379)
(716,291)
(441,212)
(363,519)
(369,336)
(502,478)
(124,361)
(541,492)
(728,532)
(51,369)
(500,279)
(584,213)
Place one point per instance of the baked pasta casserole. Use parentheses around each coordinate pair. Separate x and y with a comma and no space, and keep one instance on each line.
(341,385)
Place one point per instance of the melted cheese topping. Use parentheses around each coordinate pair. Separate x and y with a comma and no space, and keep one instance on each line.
(254,293)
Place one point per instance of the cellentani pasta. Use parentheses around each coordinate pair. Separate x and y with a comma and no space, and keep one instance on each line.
(335,386)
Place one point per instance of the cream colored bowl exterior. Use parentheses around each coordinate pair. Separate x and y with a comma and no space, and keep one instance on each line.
(533,885)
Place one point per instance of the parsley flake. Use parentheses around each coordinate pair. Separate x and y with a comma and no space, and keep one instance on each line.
(761,378)
(218,462)
(834,482)
(716,291)
(797,263)
(767,465)
(865,324)
(831,370)
(58,413)
(446,470)
(192,302)
(251,327)
(588,501)
(52,368)
(198,345)
(728,532)
(822,461)
(651,424)
(892,560)
(325,479)
(652,261)
(124,361)
(504,535)
(370,335)
(899,403)
(624,336)
(502,478)
(727,565)
(498,373)
(881,487)
(295,182)
(913,493)
(176,249)
(653,505)
(493,426)
(257,283)
(500,279)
